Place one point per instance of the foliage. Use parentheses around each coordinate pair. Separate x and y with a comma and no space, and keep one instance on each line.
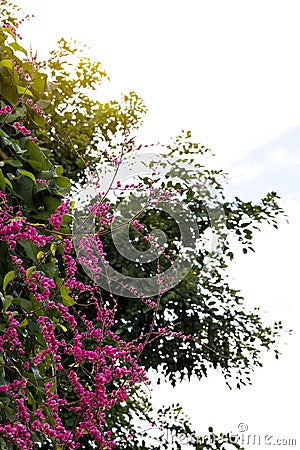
(204,304)
(40,291)
(73,355)
(79,124)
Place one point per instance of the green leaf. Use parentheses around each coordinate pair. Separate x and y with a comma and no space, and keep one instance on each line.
(30,271)
(36,154)
(24,189)
(13,162)
(43,104)
(30,250)
(25,173)
(28,67)
(38,120)
(59,170)
(2,181)
(2,38)
(24,91)
(3,134)
(31,400)
(34,151)
(36,165)
(6,63)
(52,203)
(18,47)
(6,76)
(67,300)
(16,148)
(67,220)
(41,215)
(46,175)
(63,185)
(63,182)
(40,255)
(39,82)
(8,183)
(26,304)
(8,299)
(24,323)
(9,93)
(17,114)
(50,269)
(7,279)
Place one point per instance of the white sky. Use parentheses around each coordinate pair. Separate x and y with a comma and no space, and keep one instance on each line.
(229,71)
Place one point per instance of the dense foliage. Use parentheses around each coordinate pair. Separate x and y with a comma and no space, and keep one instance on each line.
(73,355)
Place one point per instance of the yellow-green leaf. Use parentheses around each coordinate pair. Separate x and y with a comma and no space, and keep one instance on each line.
(21,90)
(40,255)
(2,181)
(24,322)
(53,248)
(7,279)
(6,63)
(25,173)
(30,271)
(67,300)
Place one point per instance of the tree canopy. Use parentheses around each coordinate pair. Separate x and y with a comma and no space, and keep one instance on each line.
(53,138)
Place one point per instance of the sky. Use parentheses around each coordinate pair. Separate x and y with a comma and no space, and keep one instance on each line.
(229,72)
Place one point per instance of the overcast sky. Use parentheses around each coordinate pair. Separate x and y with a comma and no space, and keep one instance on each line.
(229,71)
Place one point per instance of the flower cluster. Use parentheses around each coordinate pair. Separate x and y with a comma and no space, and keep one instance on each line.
(59,338)
(59,349)
(20,70)
(10,336)
(138,226)
(39,111)
(101,211)
(14,227)
(21,128)
(56,218)
(45,182)
(14,28)
(5,110)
